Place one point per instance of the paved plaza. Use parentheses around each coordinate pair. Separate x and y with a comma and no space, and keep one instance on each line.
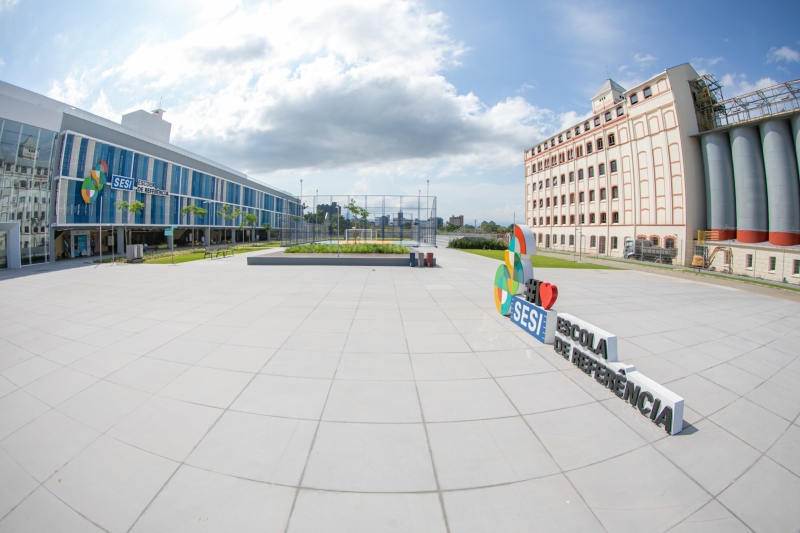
(215,396)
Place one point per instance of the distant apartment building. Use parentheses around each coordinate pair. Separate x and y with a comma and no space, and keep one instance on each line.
(457,220)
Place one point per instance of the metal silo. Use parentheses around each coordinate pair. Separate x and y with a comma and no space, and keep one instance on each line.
(751,185)
(783,186)
(720,197)
(796,132)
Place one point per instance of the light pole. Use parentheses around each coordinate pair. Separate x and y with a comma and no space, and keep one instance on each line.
(580,225)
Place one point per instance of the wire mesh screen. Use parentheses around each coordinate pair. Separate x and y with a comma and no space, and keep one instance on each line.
(409,220)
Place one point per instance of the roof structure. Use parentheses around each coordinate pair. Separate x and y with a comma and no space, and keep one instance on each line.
(609,85)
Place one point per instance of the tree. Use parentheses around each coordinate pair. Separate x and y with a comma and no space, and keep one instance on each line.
(136,207)
(196,211)
(249,220)
(228,213)
(267,228)
(357,212)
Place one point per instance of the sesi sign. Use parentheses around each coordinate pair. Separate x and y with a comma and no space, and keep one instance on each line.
(537,321)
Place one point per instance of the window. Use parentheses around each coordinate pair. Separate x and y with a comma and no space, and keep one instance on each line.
(563,179)
(654,241)
(569,135)
(614,192)
(572,240)
(585,126)
(619,111)
(748,261)
(589,148)
(796,267)
(572,221)
(614,241)
(548,220)
(541,221)
(591,172)
(540,238)
(603,218)
(615,217)
(592,241)
(540,185)
(547,183)
(591,218)
(571,198)
(608,116)
(591,196)
(579,150)
(560,138)
(602,194)
(563,199)
(547,203)
(580,174)
(572,176)
(669,242)
(583,219)
(772,262)
(552,142)
(581,197)
(599,144)
(577,130)
(539,149)
(634,99)
(534,221)
(613,166)
(563,221)
(601,247)
(601,169)
(596,121)
(541,202)
(611,140)
(647,92)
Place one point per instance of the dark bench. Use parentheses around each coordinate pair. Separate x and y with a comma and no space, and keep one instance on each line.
(214,251)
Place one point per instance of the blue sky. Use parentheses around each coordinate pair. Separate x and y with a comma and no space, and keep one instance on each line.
(379,96)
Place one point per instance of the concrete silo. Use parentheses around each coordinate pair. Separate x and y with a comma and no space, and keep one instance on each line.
(783,185)
(751,186)
(720,197)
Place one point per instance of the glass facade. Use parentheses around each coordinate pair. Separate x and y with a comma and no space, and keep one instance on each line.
(184,186)
(26,162)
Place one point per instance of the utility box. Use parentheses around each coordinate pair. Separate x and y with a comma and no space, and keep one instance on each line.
(134,253)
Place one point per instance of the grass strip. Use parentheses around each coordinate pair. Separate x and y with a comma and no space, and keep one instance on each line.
(541,261)
(347,249)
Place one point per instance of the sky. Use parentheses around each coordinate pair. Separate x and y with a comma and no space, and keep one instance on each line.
(381,96)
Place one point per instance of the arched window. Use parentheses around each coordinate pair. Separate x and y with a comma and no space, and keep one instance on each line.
(669,242)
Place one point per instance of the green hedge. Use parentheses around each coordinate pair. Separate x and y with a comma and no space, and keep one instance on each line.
(477,243)
(347,249)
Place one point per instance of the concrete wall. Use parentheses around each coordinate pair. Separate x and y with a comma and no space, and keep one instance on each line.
(761,254)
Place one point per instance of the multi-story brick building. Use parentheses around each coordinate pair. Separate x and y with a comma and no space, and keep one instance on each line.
(631,170)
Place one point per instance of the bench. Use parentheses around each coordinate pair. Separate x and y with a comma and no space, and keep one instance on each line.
(214,251)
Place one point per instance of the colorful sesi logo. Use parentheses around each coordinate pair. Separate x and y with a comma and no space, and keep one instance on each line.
(91,187)
(517,268)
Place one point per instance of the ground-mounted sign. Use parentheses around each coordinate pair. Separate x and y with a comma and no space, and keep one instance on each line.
(148,187)
(593,350)
(122,182)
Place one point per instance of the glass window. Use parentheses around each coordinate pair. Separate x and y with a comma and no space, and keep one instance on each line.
(591,196)
(614,192)
(634,99)
(614,243)
(772,262)
(577,130)
(580,174)
(608,116)
(572,176)
(599,144)
(592,241)
(571,221)
(619,111)
(569,135)
(571,198)
(615,217)
(581,197)
(563,199)
(647,92)
(589,147)
(591,218)
(796,266)
(669,242)
(547,202)
(547,183)
(613,166)
(591,172)
(596,121)
(601,169)
(612,140)
(560,138)
(602,194)
(602,218)
(563,179)
(552,142)
(748,260)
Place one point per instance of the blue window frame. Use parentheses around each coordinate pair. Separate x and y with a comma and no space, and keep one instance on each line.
(82,158)
(67,154)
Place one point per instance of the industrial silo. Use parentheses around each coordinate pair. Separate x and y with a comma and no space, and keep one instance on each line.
(796,132)
(783,186)
(720,197)
(751,185)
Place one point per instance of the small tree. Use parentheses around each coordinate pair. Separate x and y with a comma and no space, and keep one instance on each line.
(249,220)
(357,212)
(196,211)
(228,213)
(136,207)
(267,228)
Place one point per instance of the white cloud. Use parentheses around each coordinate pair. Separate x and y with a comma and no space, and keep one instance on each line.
(73,90)
(703,64)
(7,4)
(644,60)
(737,84)
(2,63)
(784,53)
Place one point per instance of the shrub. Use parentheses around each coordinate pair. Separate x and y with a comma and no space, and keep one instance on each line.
(347,249)
(477,243)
